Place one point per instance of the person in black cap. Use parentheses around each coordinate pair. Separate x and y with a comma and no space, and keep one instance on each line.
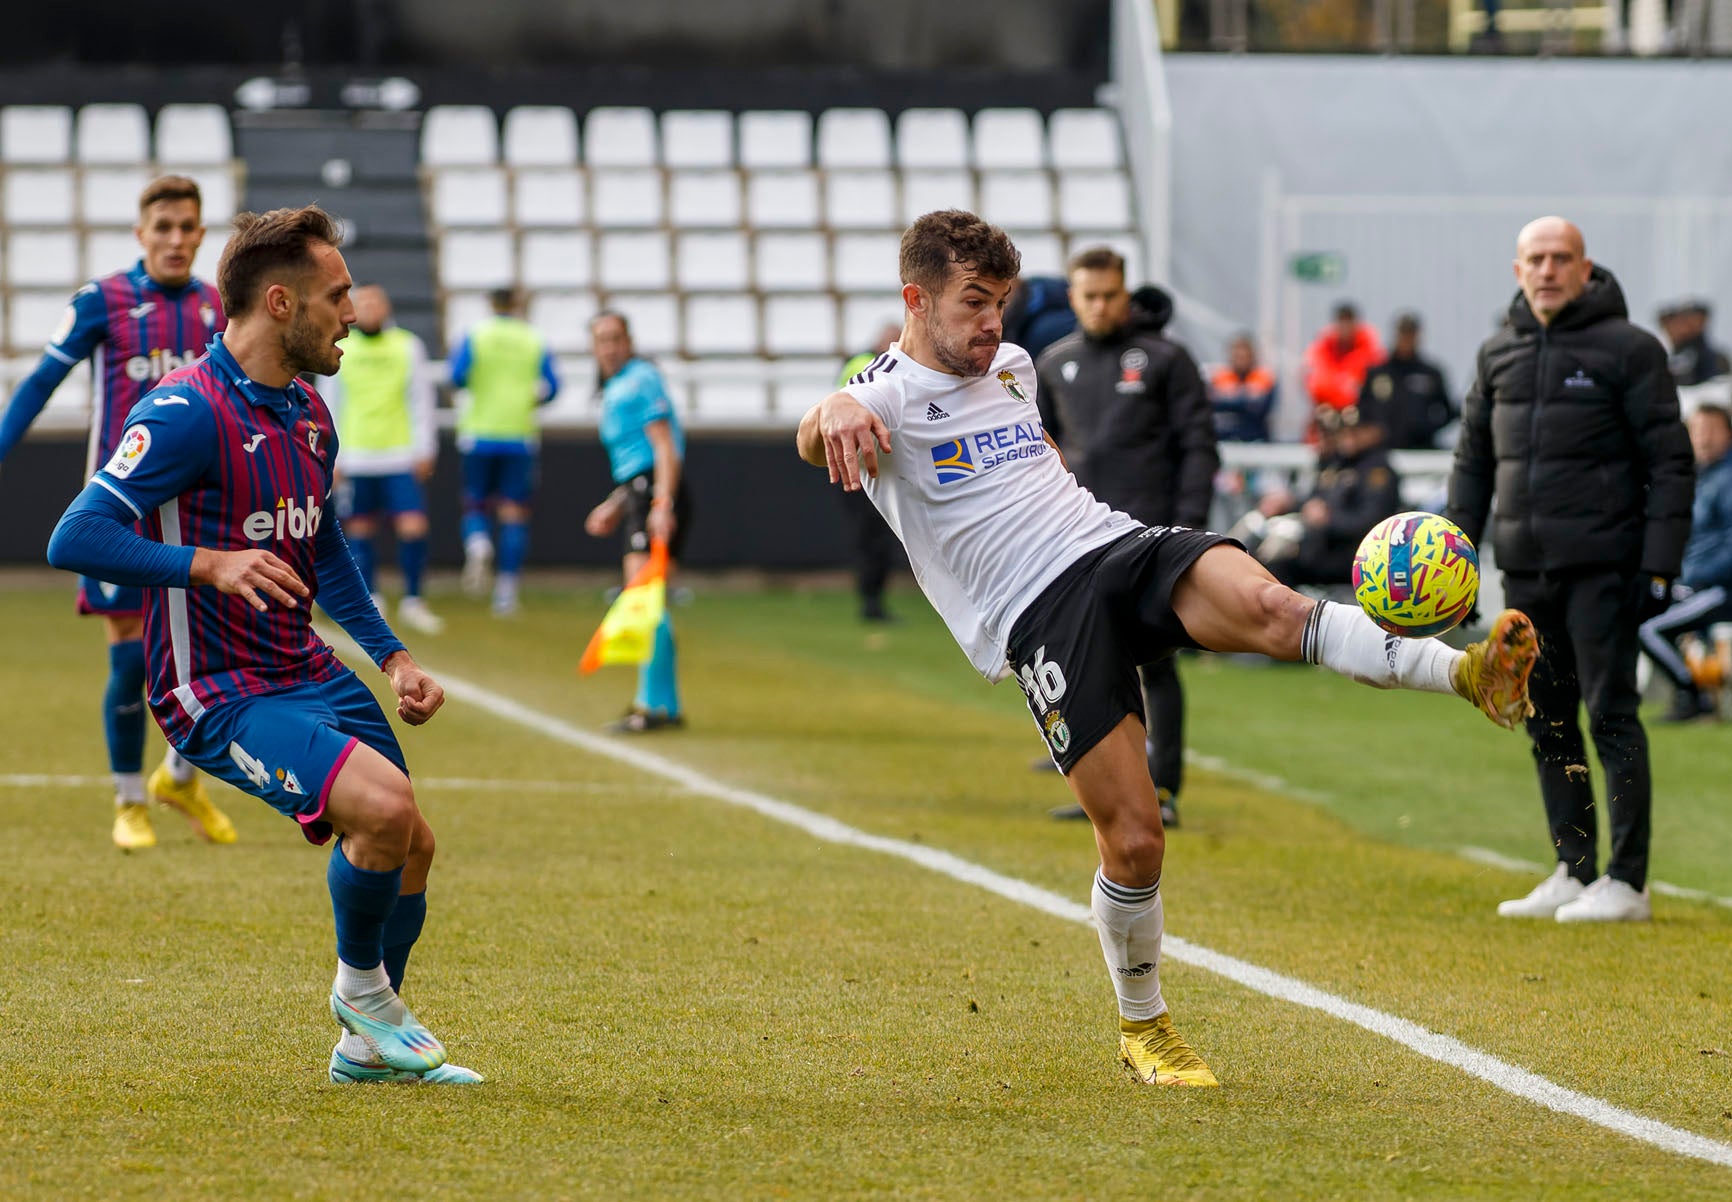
(1407,394)
(1693,360)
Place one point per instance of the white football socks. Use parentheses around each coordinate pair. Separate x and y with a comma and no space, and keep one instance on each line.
(128,789)
(370,990)
(1129,922)
(178,768)
(1342,639)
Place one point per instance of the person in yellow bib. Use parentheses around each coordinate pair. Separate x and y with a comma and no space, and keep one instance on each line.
(507,370)
(383,404)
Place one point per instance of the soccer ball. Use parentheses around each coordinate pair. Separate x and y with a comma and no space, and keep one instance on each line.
(1416,574)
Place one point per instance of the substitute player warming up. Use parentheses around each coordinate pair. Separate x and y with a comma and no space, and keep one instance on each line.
(1040,582)
(226,467)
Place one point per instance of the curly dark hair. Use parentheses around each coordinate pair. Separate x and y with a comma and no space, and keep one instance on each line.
(267,248)
(937,240)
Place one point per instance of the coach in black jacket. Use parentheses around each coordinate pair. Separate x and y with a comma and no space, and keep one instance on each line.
(1572,422)
(1128,409)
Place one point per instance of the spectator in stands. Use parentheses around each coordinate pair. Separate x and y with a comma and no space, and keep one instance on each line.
(1038,313)
(1126,406)
(1572,423)
(1355,489)
(1694,359)
(1337,362)
(1242,394)
(1703,596)
(506,366)
(383,403)
(876,547)
(1406,393)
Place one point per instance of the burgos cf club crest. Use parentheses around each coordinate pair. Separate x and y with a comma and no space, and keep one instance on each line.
(953,461)
(1012,385)
(1056,730)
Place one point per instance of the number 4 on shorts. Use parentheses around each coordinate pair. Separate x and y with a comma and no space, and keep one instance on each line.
(254,768)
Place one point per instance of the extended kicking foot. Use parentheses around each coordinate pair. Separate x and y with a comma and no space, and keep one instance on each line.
(1159,1055)
(132,829)
(345,1071)
(396,1037)
(194,802)
(1493,673)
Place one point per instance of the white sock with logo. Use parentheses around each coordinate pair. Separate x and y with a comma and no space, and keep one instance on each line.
(178,768)
(1129,922)
(1342,639)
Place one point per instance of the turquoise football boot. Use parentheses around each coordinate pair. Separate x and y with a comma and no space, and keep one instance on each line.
(345,1071)
(398,1040)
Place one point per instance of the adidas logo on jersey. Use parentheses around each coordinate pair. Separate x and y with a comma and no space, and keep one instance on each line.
(288,520)
(934,413)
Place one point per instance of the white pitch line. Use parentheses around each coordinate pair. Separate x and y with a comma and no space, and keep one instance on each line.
(1442,1048)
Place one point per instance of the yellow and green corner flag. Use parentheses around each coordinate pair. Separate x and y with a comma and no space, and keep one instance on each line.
(627,633)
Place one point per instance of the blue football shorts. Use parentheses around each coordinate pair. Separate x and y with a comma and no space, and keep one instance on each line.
(490,474)
(395,494)
(109,600)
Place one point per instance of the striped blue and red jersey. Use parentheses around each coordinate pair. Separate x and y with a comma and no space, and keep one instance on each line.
(210,458)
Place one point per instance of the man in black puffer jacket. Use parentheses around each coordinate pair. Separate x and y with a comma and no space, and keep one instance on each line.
(1128,409)
(1572,422)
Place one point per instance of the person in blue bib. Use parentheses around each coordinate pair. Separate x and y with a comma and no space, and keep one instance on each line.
(646,450)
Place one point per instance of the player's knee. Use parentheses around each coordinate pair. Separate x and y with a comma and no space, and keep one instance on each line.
(421,843)
(391,813)
(1137,851)
(412,525)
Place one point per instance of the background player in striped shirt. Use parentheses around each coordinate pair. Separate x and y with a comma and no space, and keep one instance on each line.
(135,326)
(228,468)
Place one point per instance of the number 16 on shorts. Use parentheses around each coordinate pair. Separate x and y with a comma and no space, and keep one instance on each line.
(1043,681)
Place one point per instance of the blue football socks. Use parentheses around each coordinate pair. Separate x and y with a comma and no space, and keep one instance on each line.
(475,525)
(123,706)
(361,902)
(402,929)
(412,558)
(362,550)
(513,547)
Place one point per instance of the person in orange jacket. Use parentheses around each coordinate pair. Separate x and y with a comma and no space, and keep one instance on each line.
(1337,362)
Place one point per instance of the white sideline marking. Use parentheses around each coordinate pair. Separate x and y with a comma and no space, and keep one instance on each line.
(1442,1048)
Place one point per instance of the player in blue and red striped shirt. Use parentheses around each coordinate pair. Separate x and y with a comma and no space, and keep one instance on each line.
(135,326)
(228,466)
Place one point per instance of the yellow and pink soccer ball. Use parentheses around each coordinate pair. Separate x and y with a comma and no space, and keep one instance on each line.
(1416,574)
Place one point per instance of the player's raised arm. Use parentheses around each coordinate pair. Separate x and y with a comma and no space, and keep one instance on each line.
(845,436)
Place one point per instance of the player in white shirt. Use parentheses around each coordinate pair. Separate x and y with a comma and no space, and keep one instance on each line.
(1039,581)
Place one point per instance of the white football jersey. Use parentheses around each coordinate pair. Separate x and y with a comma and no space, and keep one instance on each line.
(988,513)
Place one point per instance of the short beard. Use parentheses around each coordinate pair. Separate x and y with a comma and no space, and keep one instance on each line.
(953,359)
(304,350)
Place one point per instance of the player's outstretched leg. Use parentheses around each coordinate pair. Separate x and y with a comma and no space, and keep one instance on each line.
(123,727)
(176,785)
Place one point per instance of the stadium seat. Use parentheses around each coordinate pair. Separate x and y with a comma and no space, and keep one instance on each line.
(865,262)
(790,262)
(864,315)
(31,319)
(771,139)
(925,191)
(654,320)
(782,199)
(541,135)
(1084,138)
(563,319)
(1042,252)
(859,200)
(1123,241)
(853,138)
(619,137)
(216,186)
(210,253)
(463,312)
(634,262)
(112,133)
(721,324)
(193,133)
(1006,139)
(1093,200)
(697,138)
(459,135)
(42,259)
(932,138)
(109,195)
(35,133)
(1017,199)
(469,196)
(561,259)
(476,259)
(704,199)
(800,325)
(550,196)
(44,196)
(625,199)
(111,250)
(712,262)
(725,401)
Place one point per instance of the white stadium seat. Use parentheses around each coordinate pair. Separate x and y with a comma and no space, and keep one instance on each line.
(1093,200)
(210,253)
(35,133)
(463,312)
(555,259)
(704,199)
(1009,138)
(109,195)
(864,316)
(1123,241)
(112,133)
(476,259)
(800,325)
(782,199)
(625,199)
(111,250)
(541,135)
(469,196)
(551,196)
(926,191)
(722,401)
(697,138)
(619,137)
(42,259)
(634,262)
(1017,199)
(775,139)
(712,262)
(44,196)
(935,138)
(721,324)
(1084,138)
(563,319)
(791,262)
(193,133)
(853,138)
(866,262)
(859,200)
(216,187)
(654,320)
(1042,252)
(32,318)
(459,135)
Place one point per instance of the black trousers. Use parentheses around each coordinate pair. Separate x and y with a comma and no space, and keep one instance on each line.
(876,549)
(1700,610)
(1587,623)
(1164,714)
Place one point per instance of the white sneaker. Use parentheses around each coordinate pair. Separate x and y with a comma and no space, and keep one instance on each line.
(416,616)
(505,598)
(1607,900)
(477,562)
(1557,889)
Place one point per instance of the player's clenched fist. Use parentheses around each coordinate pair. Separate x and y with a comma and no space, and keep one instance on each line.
(418,694)
(255,574)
